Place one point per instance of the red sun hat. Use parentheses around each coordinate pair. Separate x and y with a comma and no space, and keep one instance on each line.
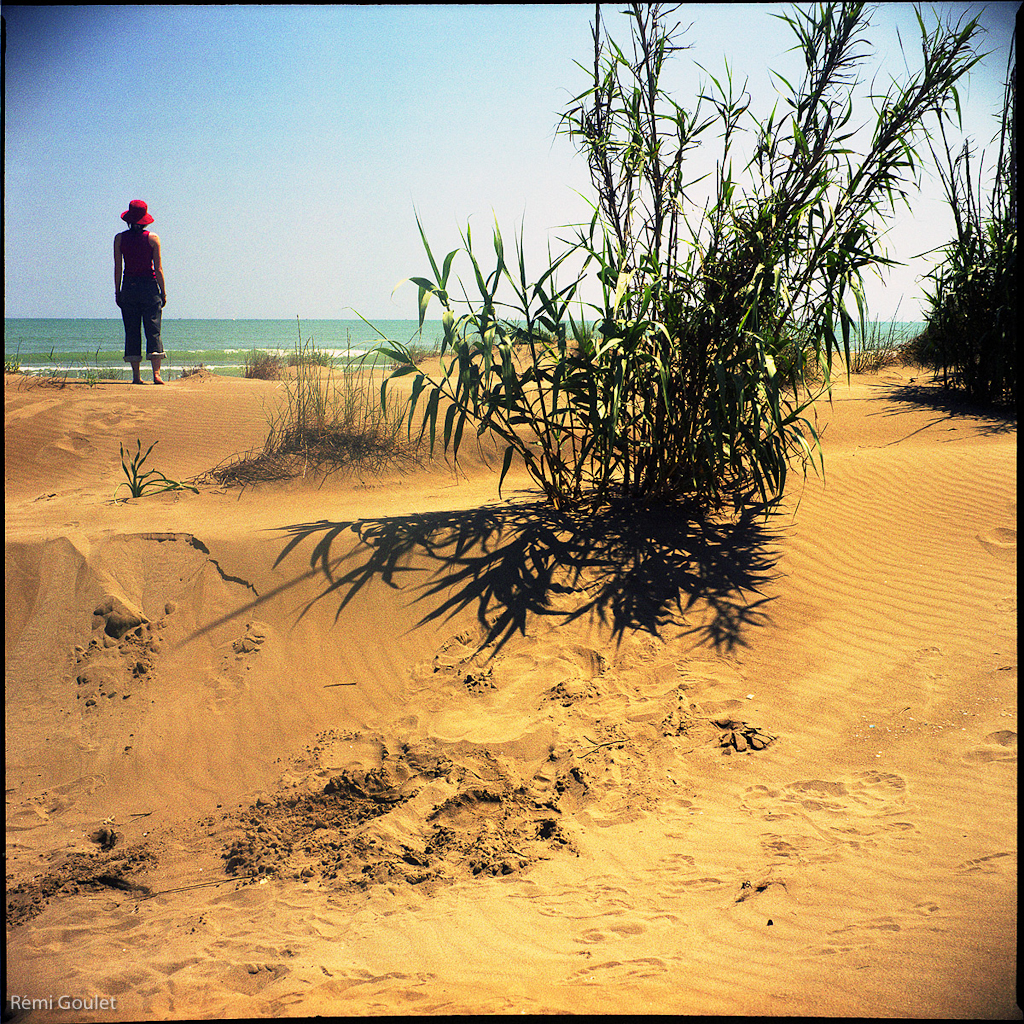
(136,213)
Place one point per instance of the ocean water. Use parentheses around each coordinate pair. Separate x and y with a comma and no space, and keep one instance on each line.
(886,333)
(79,347)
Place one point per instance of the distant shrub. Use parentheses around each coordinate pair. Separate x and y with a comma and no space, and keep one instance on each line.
(881,345)
(916,351)
(309,355)
(262,366)
(422,351)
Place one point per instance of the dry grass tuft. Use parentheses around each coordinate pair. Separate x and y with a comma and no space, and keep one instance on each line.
(329,422)
(262,366)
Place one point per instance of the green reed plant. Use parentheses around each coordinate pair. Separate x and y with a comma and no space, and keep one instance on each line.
(972,316)
(151,481)
(713,319)
(520,393)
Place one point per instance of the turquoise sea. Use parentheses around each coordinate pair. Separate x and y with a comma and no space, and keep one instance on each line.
(80,347)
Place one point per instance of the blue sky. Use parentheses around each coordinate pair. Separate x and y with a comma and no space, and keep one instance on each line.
(284,151)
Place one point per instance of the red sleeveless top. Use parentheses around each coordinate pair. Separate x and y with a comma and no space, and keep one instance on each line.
(137,253)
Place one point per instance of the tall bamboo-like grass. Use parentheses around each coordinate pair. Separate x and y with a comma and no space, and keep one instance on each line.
(714,319)
(972,317)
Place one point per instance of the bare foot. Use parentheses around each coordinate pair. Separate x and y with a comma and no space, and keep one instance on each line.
(139,381)
(157,379)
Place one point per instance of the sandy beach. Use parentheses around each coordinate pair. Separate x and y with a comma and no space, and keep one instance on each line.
(388,744)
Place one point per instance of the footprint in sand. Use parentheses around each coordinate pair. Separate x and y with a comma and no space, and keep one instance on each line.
(120,656)
(231,679)
(876,924)
(623,971)
(871,793)
(989,865)
(801,848)
(879,792)
(41,807)
(571,691)
(75,443)
(1001,542)
(256,633)
(998,746)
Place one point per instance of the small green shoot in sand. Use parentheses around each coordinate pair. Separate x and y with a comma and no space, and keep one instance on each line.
(150,482)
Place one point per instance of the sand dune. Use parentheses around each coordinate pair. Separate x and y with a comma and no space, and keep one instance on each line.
(389,744)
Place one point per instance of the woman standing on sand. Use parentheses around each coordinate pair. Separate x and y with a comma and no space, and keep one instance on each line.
(139,290)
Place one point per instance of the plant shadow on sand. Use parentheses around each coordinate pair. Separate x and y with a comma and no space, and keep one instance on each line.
(635,569)
(929,393)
